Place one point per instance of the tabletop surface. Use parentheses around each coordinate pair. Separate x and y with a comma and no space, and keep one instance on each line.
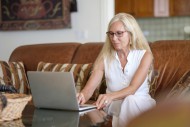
(33,117)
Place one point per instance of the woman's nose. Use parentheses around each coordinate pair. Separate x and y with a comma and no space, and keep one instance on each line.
(114,37)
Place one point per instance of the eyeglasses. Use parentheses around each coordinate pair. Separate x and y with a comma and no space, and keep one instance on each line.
(117,34)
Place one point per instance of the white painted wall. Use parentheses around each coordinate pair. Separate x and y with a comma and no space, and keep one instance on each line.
(88,24)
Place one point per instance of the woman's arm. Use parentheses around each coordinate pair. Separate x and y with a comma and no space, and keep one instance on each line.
(136,82)
(93,82)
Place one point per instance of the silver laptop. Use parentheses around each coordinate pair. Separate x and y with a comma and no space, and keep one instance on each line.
(55,90)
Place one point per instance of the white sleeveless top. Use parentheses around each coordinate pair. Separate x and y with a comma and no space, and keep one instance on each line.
(116,79)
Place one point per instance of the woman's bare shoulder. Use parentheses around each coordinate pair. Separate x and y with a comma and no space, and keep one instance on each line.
(147,58)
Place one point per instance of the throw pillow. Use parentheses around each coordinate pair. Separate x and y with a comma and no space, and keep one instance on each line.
(153,82)
(13,73)
(5,75)
(81,73)
(181,88)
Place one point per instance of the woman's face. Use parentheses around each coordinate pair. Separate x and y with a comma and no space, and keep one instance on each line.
(118,36)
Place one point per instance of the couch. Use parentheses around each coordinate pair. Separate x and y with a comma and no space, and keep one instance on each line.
(171,60)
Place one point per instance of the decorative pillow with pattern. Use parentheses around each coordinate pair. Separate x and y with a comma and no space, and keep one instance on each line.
(181,88)
(13,73)
(153,83)
(5,74)
(81,73)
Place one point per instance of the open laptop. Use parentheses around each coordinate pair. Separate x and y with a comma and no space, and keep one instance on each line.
(55,90)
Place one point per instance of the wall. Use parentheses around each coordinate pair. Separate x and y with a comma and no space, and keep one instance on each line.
(88,25)
(166,28)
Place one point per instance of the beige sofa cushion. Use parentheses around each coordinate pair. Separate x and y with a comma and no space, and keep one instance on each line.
(13,73)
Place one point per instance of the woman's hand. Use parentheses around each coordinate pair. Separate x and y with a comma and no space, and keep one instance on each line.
(80,97)
(103,100)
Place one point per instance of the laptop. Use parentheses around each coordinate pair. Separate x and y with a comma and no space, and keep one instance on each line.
(55,90)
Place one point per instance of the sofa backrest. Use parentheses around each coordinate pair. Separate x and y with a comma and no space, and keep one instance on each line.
(31,55)
(87,53)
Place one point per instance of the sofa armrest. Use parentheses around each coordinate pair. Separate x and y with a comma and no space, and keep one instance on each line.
(182,88)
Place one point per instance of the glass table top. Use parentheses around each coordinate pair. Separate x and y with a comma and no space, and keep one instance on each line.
(33,117)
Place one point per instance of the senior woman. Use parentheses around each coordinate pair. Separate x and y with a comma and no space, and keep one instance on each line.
(126,61)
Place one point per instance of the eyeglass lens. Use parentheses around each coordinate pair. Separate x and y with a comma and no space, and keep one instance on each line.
(118,33)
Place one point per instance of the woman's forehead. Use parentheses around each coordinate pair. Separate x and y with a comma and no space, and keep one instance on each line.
(118,25)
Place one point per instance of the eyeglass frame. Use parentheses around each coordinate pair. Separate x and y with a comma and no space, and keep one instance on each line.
(111,34)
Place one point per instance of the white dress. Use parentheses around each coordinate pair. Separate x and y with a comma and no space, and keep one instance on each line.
(131,106)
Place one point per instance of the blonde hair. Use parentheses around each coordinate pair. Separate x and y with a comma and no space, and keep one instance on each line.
(137,39)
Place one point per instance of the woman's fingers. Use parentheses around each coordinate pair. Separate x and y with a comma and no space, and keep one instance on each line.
(102,101)
(99,101)
(80,98)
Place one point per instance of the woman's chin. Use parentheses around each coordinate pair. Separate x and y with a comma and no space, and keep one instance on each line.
(117,48)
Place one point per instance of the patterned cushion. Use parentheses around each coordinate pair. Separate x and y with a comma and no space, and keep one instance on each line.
(13,73)
(5,74)
(181,88)
(153,83)
(81,73)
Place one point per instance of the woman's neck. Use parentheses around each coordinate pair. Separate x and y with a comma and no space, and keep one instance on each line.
(123,53)
(123,58)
